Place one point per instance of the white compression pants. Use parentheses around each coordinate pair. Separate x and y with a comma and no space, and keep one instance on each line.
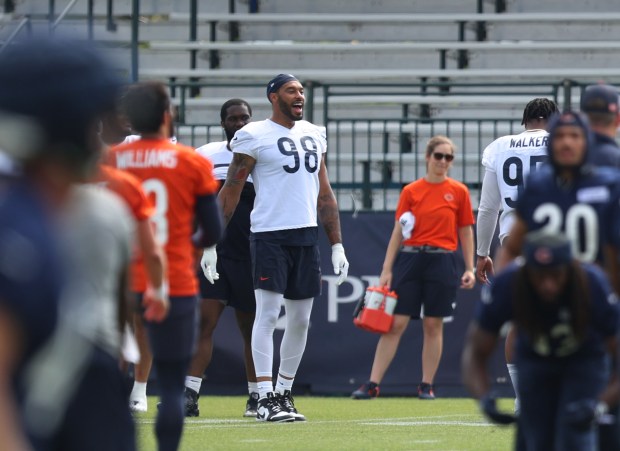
(268,304)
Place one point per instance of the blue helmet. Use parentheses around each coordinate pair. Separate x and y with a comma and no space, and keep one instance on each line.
(56,88)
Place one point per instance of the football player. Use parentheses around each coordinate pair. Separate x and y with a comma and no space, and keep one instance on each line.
(600,104)
(507,162)
(182,188)
(285,156)
(566,318)
(227,278)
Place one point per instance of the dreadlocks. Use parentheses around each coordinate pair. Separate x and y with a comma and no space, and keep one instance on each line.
(527,306)
(539,108)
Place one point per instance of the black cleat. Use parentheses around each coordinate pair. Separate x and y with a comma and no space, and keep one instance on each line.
(191,403)
(269,409)
(288,405)
(251,405)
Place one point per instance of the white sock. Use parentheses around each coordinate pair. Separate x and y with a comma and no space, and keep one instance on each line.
(138,391)
(264,388)
(252,387)
(283,384)
(512,372)
(193,383)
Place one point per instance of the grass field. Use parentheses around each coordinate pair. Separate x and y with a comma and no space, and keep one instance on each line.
(339,424)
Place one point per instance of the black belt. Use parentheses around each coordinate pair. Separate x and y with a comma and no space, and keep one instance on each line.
(426,249)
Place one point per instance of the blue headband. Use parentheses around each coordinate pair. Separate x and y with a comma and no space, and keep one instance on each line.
(277,82)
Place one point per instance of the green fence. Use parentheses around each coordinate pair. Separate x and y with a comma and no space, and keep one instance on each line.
(377,133)
(370,160)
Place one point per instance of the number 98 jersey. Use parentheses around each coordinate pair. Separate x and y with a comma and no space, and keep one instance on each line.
(286,174)
(586,211)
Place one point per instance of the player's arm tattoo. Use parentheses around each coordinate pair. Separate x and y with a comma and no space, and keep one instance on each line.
(238,172)
(327,207)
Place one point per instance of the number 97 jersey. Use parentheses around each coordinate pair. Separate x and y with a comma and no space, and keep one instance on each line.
(584,211)
(511,158)
(286,174)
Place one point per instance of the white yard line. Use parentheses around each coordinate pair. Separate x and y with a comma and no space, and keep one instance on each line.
(437,420)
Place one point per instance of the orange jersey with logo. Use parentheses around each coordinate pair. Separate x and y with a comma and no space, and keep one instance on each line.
(172,176)
(130,190)
(440,209)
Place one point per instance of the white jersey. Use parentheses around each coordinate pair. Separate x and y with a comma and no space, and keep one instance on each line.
(286,174)
(133,138)
(507,162)
(220,156)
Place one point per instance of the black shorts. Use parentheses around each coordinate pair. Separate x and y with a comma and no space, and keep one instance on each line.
(97,417)
(294,271)
(234,287)
(425,283)
(175,337)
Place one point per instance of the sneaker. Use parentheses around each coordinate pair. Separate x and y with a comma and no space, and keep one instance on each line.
(369,390)
(288,404)
(251,405)
(191,403)
(425,391)
(269,409)
(138,405)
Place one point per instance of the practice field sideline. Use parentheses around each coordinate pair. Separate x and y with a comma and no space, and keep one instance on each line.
(339,424)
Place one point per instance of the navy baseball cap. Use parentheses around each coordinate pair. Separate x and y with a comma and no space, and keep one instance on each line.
(567,118)
(546,250)
(600,99)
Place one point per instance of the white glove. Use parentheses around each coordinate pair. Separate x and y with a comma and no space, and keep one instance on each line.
(208,264)
(407,222)
(341,265)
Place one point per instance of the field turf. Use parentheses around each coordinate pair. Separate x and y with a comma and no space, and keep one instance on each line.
(339,423)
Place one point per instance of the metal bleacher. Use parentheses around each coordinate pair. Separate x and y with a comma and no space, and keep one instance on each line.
(382,76)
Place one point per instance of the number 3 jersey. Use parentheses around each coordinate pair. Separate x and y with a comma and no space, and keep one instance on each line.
(509,159)
(172,176)
(586,210)
(286,174)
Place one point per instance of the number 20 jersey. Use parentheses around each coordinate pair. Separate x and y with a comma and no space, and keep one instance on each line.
(512,158)
(286,174)
(586,210)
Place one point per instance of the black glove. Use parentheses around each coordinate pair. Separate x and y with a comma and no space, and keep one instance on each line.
(584,413)
(488,404)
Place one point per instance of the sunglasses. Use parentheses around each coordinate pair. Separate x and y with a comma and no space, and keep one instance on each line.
(439,156)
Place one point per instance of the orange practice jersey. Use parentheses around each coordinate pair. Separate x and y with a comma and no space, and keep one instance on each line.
(172,176)
(440,209)
(130,190)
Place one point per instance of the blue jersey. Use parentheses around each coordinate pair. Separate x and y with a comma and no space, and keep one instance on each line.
(584,210)
(558,340)
(30,267)
(604,151)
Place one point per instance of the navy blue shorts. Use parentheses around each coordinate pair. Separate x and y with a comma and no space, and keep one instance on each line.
(294,271)
(234,286)
(98,417)
(175,338)
(425,283)
(545,389)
